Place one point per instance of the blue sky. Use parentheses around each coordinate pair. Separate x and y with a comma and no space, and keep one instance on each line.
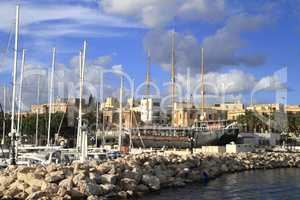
(245,42)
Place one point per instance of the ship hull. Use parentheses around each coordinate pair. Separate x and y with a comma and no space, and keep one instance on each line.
(195,138)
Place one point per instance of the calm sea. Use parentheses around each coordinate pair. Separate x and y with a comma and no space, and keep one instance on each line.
(278,184)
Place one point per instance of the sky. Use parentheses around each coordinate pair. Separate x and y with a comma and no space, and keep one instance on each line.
(250,47)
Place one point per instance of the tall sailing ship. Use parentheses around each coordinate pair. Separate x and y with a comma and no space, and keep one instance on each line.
(202,132)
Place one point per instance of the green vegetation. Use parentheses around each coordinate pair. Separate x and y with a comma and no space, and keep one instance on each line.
(252,122)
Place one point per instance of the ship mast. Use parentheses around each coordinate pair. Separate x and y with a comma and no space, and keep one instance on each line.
(131,113)
(202,117)
(14,74)
(148,78)
(37,113)
(121,113)
(51,95)
(82,129)
(20,92)
(173,75)
(80,102)
(4,116)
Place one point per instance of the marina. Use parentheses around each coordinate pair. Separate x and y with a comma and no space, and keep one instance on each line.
(78,126)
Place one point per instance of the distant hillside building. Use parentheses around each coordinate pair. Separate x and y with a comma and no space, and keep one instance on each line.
(110,103)
(60,105)
(266,108)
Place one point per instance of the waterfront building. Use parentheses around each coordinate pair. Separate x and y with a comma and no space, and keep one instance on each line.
(110,103)
(60,105)
(150,110)
(266,108)
(295,109)
(185,114)
(233,109)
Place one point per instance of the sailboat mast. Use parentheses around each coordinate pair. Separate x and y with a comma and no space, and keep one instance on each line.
(173,75)
(148,78)
(121,113)
(37,113)
(97,122)
(83,134)
(131,112)
(80,102)
(51,95)
(15,63)
(4,116)
(20,92)
(202,83)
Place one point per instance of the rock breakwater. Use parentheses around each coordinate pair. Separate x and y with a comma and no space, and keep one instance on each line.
(134,175)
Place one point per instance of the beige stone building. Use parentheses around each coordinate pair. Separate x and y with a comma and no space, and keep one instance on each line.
(266,108)
(233,109)
(110,103)
(292,109)
(185,114)
(60,105)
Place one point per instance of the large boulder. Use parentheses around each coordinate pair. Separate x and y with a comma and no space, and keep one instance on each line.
(66,183)
(79,177)
(95,177)
(5,181)
(151,181)
(38,195)
(55,177)
(89,188)
(128,184)
(109,178)
(31,179)
(107,188)
(51,188)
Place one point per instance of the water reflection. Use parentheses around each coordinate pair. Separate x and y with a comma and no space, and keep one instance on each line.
(278,184)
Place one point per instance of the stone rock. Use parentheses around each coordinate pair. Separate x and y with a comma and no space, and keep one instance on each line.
(66,183)
(107,188)
(62,191)
(95,177)
(37,195)
(31,179)
(92,197)
(89,188)
(103,169)
(21,195)
(128,184)
(122,195)
(20,185)
(77,178)
(74,193)
(12,191)
(5,181)
(51,188)
(142,188)
(109,178)
(151,181)
(55,177)
(32,189)
(51,168)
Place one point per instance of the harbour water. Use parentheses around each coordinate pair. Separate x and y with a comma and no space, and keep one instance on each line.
(277,184)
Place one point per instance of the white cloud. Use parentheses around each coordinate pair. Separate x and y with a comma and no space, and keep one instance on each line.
(103,60)
(57,19)
(157,13)
(232,84)
(221,49)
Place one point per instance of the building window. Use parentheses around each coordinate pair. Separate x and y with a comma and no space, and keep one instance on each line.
(156,104)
